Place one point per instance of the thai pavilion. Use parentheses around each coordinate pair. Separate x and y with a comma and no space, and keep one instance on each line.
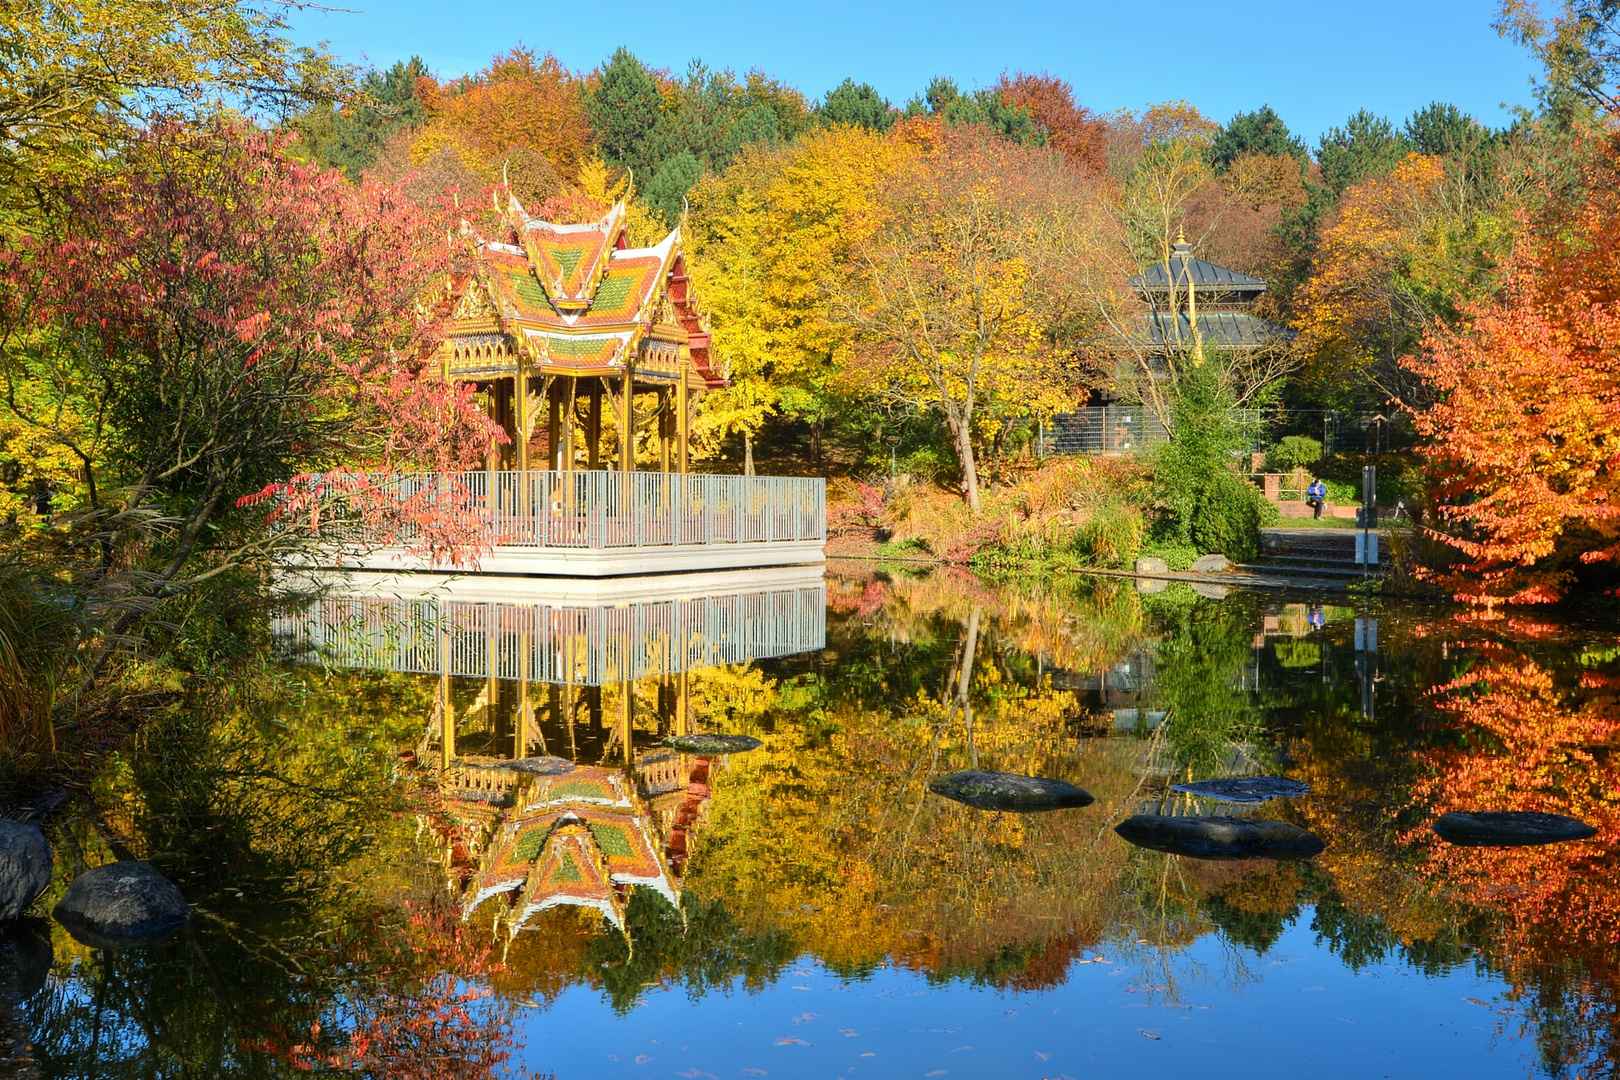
(571,322)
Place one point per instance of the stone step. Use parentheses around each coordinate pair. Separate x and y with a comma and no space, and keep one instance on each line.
(1305,571)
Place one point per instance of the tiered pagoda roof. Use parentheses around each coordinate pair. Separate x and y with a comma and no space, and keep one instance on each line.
(575,300)
(1222,296)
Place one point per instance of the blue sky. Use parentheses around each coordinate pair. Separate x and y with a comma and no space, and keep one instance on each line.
(1315,62)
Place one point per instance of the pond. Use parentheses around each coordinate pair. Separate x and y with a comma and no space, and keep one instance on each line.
(379,892)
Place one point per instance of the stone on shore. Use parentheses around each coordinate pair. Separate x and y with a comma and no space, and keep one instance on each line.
(713,745)
(1220,837)
(1151,564)
(25,867)
(1520,828)
(121,905)
(1211,564)
(1009,792)
(1245,789)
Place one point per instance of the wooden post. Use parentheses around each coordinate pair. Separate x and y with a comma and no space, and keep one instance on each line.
(593,425)
(568,425)
(492,688)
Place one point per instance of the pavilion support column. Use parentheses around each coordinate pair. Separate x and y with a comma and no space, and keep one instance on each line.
(568,424)
(593,425)
(664,406)
(553,424)
(627,421)
(683,703)
(683,418)
(521,385)
(447,708)
(627,714)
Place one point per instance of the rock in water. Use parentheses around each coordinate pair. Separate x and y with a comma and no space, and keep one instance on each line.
(1246,789)
(713,745)
(1220,837)
(25,959)
(1211,564)
(121,905)
(1008,791)
(1511,829)
(25,867)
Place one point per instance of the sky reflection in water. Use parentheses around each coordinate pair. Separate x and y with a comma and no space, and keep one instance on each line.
(832,908)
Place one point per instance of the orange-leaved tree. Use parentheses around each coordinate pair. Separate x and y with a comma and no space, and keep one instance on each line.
(1525,428)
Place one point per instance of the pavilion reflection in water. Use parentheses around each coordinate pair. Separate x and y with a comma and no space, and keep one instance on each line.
(544,665)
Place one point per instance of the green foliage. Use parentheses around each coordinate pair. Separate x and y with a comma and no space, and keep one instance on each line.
(986,106)
(1367,145)
(626,109)
(1207,504)
(1294,653)
(667,192)
(1445,130)
(350,138)
(1258,132)
(1293,452)
(859,105)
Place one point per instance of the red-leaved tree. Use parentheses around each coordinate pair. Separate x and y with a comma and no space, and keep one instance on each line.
(215,318)
(1525,432)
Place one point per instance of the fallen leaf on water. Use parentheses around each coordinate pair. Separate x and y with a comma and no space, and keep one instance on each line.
(959,1049)
(805,1018)
(869,1054)
(1043,1057)
(1476,1001)
(642,1059)
(936,1072)
(846,1032)
(1147,1034)
(693,1074)
(790,1042)
(801,988)
(751,1071)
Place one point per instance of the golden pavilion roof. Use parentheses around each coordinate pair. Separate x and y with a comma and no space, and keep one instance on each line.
(576,300)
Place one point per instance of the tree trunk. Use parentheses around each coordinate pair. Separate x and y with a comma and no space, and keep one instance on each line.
(963,430)
(966,682)
(748,454)
(815,443)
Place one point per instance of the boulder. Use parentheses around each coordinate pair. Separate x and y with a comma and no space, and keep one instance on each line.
(121,905)
(1151,564)
(1220,837)
(1512,829)
(1008,792)
(1151,585)
(1211,564)
(713,745)
(25,959)
(25,867)
(1245,789)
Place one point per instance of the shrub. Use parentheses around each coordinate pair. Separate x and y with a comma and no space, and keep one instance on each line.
(1293,452)
(1226,517)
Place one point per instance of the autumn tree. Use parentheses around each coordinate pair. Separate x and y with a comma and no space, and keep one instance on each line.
(1525,413)
(74,73)
(1073,130)
(954,298)
(219,317)
(523,100)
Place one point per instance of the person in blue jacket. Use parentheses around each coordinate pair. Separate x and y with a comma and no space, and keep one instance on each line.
(1316,497)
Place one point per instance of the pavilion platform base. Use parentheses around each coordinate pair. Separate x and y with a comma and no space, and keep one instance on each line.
(519,561)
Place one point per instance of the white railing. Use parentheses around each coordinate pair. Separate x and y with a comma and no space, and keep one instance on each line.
(598,509)
(588,645)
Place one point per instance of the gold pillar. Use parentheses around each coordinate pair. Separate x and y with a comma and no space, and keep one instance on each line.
(492,689)
(682,703)
(568,424)
(682,417)
(554,423)
(664,418)
(447,708)
(522,388)
(593,425)
(626,718)
(627,422)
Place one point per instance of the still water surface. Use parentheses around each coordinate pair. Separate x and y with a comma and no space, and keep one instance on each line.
(617,909)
